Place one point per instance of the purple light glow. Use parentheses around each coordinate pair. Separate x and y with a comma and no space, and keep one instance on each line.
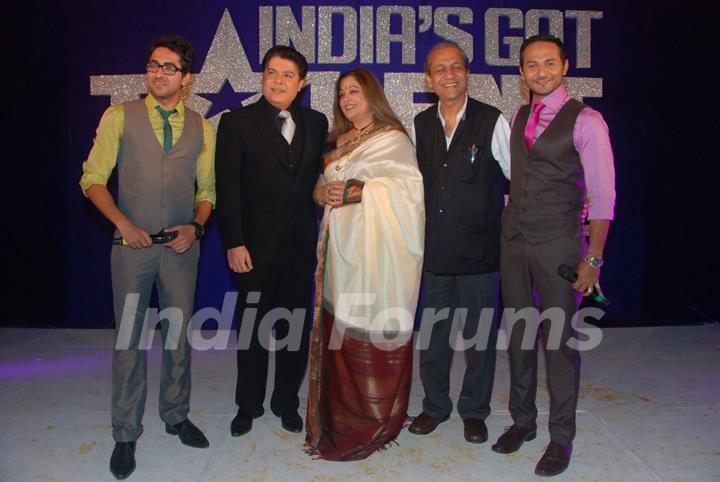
(39,367)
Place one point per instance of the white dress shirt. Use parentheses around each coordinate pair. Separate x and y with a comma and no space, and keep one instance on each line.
(500,144)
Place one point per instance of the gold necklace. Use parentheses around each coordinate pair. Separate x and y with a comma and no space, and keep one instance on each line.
(346,148)
(341,166)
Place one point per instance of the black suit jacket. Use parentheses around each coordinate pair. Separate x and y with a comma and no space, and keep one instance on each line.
(264,186)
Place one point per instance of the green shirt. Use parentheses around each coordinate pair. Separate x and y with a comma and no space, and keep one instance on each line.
(103,155)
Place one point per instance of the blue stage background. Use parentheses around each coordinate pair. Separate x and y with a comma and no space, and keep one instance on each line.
(660,254)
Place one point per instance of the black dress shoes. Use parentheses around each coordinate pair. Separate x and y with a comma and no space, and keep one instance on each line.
(424,424)
(122,461)
(291,421)
(555,460)
(189,434)
(475,430)
(513,439)
(241,424)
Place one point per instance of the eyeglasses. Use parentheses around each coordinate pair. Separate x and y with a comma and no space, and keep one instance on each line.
(168,68)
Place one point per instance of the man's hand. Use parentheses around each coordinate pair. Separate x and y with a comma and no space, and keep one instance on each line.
(184,240)
(588,277)
(239,259)
(329,193)
(134,236)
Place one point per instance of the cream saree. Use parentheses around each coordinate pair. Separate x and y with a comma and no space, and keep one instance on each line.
(367,282)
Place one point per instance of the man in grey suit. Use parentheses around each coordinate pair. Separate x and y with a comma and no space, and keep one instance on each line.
(166,188)
(560,150)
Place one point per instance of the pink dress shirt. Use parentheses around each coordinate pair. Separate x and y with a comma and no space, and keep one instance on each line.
(592,142)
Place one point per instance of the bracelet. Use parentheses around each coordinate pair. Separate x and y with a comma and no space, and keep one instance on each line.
(345,191)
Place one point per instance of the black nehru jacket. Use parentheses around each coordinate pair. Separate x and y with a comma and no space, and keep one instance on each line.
(463,199)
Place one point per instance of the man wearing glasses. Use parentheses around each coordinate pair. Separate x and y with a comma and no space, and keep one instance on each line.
(164,154)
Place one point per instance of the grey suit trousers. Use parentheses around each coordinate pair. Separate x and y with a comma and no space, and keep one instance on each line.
(134,273)
(529,272)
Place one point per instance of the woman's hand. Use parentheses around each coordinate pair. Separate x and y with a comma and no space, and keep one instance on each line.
(329,193)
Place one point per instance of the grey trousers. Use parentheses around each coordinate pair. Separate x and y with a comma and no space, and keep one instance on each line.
(531,270)
(134,272)
(473,293)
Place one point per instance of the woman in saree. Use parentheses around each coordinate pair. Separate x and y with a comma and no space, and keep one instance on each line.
(368,276)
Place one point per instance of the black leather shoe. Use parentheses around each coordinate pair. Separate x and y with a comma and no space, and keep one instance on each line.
(189,434)
(241,424)
(424,423)
(554,461)
(513,438)
(475,430)
(122,461)
(292,422)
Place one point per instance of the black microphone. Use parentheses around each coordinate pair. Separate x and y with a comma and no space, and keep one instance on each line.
(567,273)
(161,237)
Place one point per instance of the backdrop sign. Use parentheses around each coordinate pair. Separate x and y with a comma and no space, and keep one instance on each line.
(385,39)
(95,63)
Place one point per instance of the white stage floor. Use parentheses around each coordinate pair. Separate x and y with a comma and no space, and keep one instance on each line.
(649,410)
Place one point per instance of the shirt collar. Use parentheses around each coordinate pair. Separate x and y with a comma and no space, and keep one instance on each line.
(553,101)
(459,116)
(151,102)
(273,111)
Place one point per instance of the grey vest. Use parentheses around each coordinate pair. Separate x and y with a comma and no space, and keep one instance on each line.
(547,185)
(155,189)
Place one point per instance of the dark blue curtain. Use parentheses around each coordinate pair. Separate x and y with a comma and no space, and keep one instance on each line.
(655,60)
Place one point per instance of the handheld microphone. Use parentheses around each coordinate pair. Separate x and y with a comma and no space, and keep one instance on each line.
(568,273)
(161,237)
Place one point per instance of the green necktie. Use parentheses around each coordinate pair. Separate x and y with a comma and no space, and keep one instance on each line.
(167,130)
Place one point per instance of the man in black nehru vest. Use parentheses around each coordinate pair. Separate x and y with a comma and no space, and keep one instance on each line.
(267,161)
(462,151)
(560,152)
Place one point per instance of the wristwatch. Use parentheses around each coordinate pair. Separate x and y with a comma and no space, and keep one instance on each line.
(595,262)
(199,230)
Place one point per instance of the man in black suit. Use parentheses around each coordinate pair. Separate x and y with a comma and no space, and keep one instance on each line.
(268,158)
